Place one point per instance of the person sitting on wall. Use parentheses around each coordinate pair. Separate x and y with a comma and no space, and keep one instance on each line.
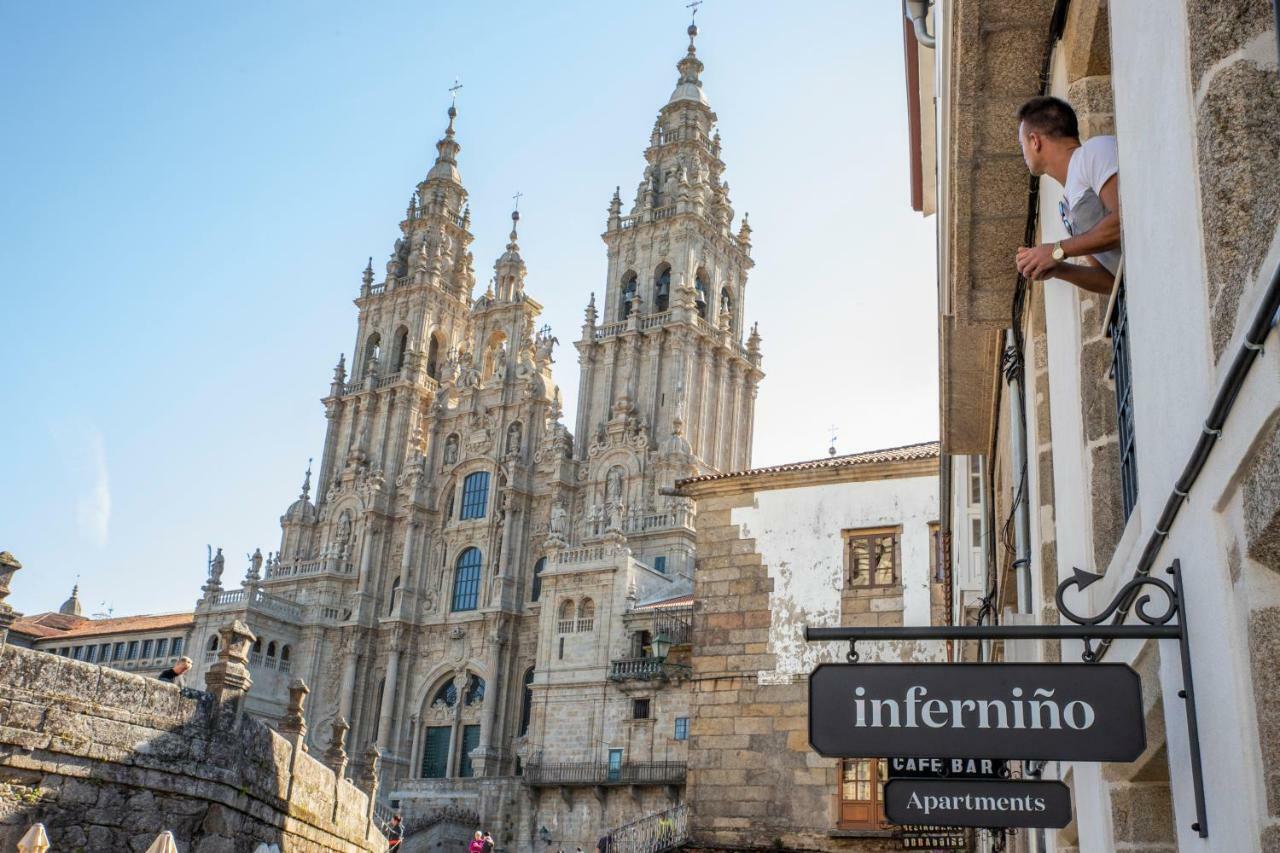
(395,833)
(1089,173)
(173,673)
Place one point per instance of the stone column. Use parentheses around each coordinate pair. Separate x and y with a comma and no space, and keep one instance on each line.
(294,727)
(336,755)
(417,726)
(486,758)
(389,694)
(366,556)
(347,687)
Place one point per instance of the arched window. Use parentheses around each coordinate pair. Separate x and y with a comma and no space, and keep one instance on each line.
(567,612)
(447,695)
(402,346)
(284,652)
(433,356)
(526,705)
(700,288)
(372,352)
(475,495)
(628,293)
(662,289)
(474,693)
(726,305)
(395,588)
(536,592)
(257,644)
(213,643)
(587,615)
(271,649)
(466,580)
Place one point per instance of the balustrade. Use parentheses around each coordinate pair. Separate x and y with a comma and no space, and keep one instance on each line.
(600,773)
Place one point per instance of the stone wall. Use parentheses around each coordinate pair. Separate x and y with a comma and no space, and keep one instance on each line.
(754,781)
(108,759)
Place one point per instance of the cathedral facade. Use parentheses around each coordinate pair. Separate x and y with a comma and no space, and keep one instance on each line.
(497,603)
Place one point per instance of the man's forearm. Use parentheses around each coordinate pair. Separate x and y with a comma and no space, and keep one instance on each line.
(1086,277)
(1102,237)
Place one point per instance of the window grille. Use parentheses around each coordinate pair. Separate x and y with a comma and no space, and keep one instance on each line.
(1122,376)
(470,740)
(466,581)
(475,495)
(640,709)
(435,753)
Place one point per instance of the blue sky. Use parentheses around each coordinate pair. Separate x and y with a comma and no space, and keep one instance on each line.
(192,190)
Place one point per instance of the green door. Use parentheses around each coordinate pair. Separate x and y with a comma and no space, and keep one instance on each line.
(470,740)
(435,753)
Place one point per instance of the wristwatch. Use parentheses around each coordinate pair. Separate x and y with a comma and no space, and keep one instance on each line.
(1058,253)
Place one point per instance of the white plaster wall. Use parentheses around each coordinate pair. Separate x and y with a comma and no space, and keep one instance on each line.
(798,533)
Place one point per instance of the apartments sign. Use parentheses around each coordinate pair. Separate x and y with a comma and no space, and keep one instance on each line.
(1068,712)
(986,803)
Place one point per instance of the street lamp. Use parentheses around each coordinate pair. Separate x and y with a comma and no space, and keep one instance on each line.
(661,645)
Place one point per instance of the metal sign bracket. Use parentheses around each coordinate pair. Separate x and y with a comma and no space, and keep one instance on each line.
(1155,626)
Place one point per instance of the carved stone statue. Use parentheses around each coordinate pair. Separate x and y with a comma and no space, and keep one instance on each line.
(559,520)
(451,450)
(216,566)
(613,485)
(255,566)
(514,438)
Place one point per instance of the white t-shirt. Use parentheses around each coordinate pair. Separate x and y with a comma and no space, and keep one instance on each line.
(1092,164)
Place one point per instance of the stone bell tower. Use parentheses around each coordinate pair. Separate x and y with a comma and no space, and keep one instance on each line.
(667,352)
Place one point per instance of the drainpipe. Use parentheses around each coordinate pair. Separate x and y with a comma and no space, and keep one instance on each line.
(1018,438)
(916,11)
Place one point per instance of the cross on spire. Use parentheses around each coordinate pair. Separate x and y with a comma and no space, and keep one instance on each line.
(519,195)
(693,15)
(453,90)
(831,451)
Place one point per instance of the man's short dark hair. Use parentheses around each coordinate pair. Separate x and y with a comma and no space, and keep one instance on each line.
(1050,116)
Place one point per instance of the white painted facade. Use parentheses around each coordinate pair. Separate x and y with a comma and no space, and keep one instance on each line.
(799,533)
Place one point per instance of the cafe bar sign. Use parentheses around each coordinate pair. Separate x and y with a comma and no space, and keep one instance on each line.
(1069,712)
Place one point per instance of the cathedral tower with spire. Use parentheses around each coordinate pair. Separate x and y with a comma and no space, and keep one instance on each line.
(464,584)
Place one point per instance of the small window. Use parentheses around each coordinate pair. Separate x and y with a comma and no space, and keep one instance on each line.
(175,647)
(78,652)
(560,655)
(871,557)
(862,794)
(162,646)
(587,615)
(526,704)
(639,709)
(474,693)
(90,654)
(1122,376)
(284,653)
(146,649)
(133,650)
(119,650)
(466,581)
(271,649)
(104,653)
(660,564)
(975,480)
(682,728)
(475,495)
(536,591)
(567,621)
(615,765)
(213,643)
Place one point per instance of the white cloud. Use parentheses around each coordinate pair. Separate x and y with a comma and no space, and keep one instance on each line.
(93,508)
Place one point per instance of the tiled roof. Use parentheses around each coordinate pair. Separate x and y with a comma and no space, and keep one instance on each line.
(49,625)
(906,453)
(679,601)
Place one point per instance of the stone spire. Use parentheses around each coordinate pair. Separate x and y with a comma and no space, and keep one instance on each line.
(509,270)
(71,607)
(689,87)
(446,165)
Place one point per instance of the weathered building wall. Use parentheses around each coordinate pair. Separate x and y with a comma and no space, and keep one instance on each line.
(771,560)
(108,759)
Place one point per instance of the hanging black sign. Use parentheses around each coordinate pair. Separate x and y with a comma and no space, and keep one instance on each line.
(978,802)
(1069,712)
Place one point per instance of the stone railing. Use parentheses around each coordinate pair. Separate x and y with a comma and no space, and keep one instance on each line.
(83,739)
(601,773)
(589,554)
(666,830)
(664,212)
(652,321)
(609,330)
(256,599)
(299,568)
(637,522)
